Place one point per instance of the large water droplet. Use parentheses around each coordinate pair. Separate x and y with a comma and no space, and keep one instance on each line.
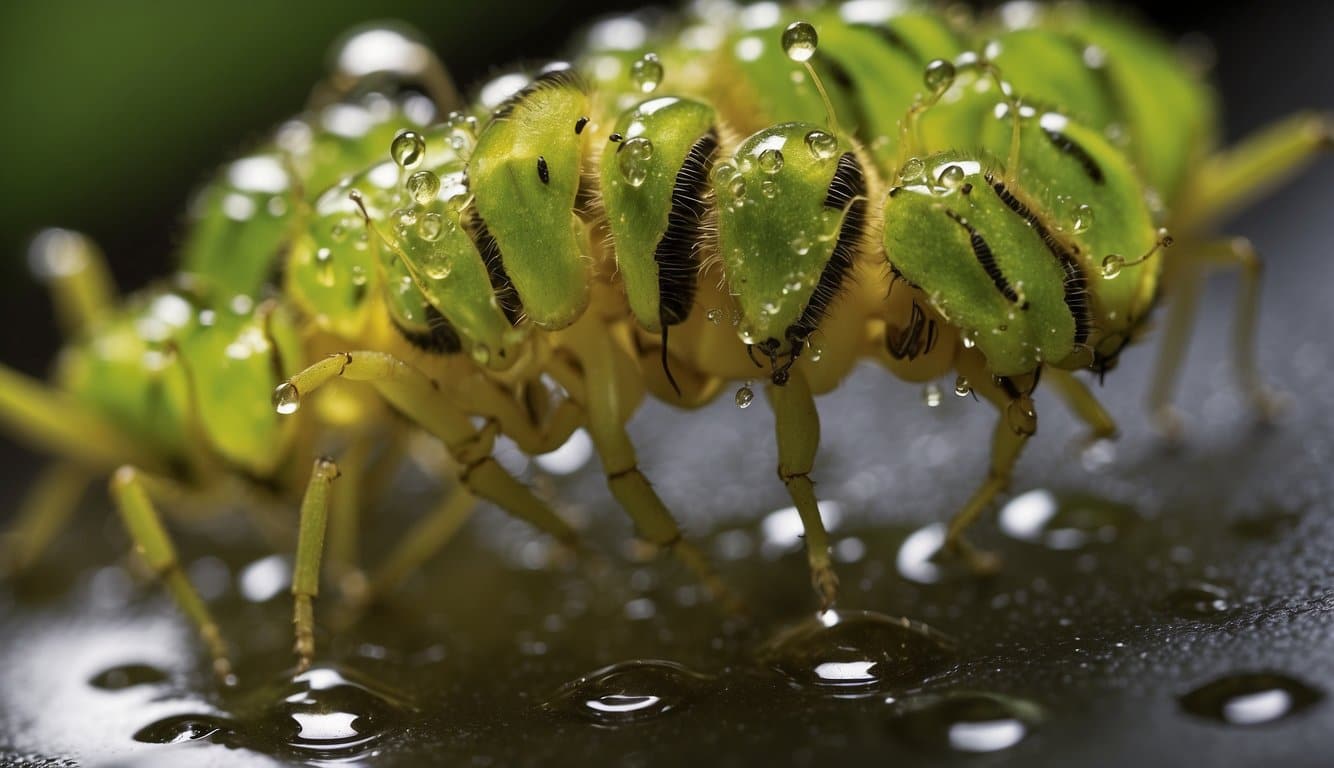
(1081,219)
(800,41)
(965,721)
(745,396)
(939,76)
(1112,264)
(912,169)
(629,692)
(633,158)
(177,729)
(423,186)
(1069,523)
(647,73)
(327,714)
(858,653)
(286,398)
(951,177)
(1250,698)
(771,160)
(822,144)
(408,149)
(127,676)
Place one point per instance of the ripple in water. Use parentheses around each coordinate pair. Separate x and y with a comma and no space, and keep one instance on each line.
(965,721)
(1250,698)
(127,676)
(1072,522)
(320,714)
(859,653)
(629,692)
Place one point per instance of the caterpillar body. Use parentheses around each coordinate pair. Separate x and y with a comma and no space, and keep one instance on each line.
(733,194)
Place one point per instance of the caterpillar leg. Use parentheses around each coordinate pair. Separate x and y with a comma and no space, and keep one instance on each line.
(419,398)
(1018,422)
(345,518)
(1082,402)
(609,378)
(1230,179)
(798,426)
(1186,280)
(306,568)
(44,512)
(130,491)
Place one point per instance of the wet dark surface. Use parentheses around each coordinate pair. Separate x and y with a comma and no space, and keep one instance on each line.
(1159,604)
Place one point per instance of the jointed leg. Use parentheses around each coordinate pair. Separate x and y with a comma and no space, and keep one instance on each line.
(345,517)
(421,542)
(306,568)
(130,492)
(77,274)
(798,426)
(1085,406)
(46,509)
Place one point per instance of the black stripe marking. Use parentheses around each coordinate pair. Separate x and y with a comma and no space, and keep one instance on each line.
(506,294)
(909,342)
(987,259)
(847,191)
(552,78)
(1069,146)
(579,125)
(1076,284)
(678,268)
(543,172)
(440,336)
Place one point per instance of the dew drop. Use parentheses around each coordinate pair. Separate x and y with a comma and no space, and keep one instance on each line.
(324,271)
(951,177)
(961,386)
(408,149)
(965,721)
(1250,698)
(822,144)
(745,396)
(1199,600)
(771,161)
(714,316)
(327,714)
(647,73)
(423,186)
(431,227)
(769,188)
(1081,219)
(800,41)
(931,395)
(912,170)
(859,653)
(286,399)
(633,158)
(359,276)
(628,693)
(1112,265)
(127,676)
(939,76)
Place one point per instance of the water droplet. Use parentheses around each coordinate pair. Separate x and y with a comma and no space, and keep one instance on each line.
(939,76)
(858,653)
(1250,698)
(737,188)
(633,157)
(423,186)
(723,173)
(912,169)
(800,41)
(822,144)
(331,715)
(1072,522)
(969,339)
(324,272)
(286,398)
(437,264)
(1112,265)
(359,276)
(951,177)
(771,161)
(714,316)
(127,676)
(629,692)
(1081,219)
(769,188)
(431,227)
(408,149)
(1199,600)
(647,73)
(931,395)
(965,721)
(177,729)
(745,396)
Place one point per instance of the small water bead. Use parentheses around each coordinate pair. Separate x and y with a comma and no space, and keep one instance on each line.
(1081,219)
(912,170)
(939,76)
(408,149)
(822,144)
(801,245)
(931,395)
(965,721)
(628,693)
(127,676)
(859,653)
(647,73)
(1250,698)
(286,399)
(423,186)
(633,158)
(744,396)
(324,271)
(1199,600)
(359,276)
(961,386)
(1112,265)
(800,41)
(951,177)
(771,161)
(769,188)
(714,316)
(431,226)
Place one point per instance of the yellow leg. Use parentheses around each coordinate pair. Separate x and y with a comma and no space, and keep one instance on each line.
(306,568)
(419,399)
(344,532)
(45,511)
(130,492)
(77,274)
(1018,422)
(1232,178)
(609,378)
(421,542)
(1082,402)
(798,426)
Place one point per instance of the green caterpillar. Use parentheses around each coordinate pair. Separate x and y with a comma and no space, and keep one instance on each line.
(989,197)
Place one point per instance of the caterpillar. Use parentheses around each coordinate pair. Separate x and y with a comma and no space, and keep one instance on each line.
(728,195)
